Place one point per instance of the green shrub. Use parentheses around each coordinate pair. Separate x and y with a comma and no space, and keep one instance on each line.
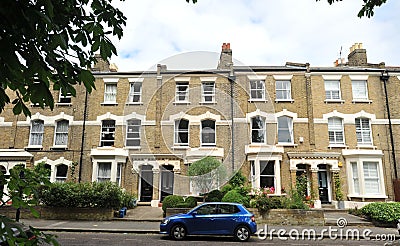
(214,196)
(83,195)
(294,201)
(382,212)
(266,203)
(226,188)
(235,196)
(237,179)
(171,201)
(191,202)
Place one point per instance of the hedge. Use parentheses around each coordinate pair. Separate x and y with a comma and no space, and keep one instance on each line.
(384,212)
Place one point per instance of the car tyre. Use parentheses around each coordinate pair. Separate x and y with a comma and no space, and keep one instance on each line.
(242,233)
(178,232)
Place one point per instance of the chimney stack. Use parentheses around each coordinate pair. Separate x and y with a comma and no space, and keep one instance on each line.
(100,64)
(225,59)
(357,56)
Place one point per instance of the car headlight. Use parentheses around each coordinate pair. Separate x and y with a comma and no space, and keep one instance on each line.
(165,221)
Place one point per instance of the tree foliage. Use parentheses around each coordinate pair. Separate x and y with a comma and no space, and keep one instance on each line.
(48,44)
(206,174)
(367,8)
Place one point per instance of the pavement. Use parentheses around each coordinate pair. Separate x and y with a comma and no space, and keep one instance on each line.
(146,219)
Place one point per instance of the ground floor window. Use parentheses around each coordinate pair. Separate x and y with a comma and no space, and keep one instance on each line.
(366,178)
(265,173)
(104,172)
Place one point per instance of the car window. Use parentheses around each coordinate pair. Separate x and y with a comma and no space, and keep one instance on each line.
(228,209)
(206,209)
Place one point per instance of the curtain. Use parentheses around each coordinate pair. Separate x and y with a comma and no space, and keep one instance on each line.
(62,133)
(37,130)
(110,93)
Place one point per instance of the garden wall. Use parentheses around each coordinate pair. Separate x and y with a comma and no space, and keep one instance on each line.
(62,213)
(313,217)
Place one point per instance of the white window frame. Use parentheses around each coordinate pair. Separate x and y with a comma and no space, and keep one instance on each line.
(110,96)
(289,129)
(364,191)
(256,172)
(39,133)
(262,129)
(215,133)
(206,94)
(133,132)
(268,175)
(133,93)
(286,91)
(57,132)
(357,95)
(62,97)
(179,93)
(257,89)
(60,179)
(118,178)
(332,87)
(178,130)
(363,132)
(336,130)
(106,130)
(107,177)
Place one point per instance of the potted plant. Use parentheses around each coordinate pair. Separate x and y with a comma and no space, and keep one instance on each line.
(338,191)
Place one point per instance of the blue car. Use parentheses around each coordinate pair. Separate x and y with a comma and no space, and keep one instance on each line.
(212,218)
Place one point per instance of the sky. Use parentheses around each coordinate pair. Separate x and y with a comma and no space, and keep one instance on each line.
(261,32)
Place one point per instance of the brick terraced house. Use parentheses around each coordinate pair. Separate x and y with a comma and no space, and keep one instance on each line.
(143,129)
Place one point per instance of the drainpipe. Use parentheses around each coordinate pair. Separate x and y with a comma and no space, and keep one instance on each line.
(83,137)
(232,79)
(385,77)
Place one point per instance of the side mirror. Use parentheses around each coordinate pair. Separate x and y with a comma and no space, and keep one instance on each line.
(194,213)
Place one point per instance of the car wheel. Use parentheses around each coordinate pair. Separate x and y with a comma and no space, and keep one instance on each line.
(242,233)
(178,232)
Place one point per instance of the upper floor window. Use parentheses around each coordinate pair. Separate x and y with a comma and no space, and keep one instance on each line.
(107,133)
(257,90)
(182,92)
(110,93)
(66,98)
(61,133)
(257,129)
(208,132)
(104,171)
(359,88)
(285,129)
(283,90)
(36,133)
(135,92)
(133,133)
(332,89)
(336,130)
(208,92)
(61,173)
(181,132)
(363,131)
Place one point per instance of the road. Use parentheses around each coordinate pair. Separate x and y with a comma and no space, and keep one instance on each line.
(108,239)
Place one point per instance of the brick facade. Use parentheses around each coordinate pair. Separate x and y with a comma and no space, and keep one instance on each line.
(303,129)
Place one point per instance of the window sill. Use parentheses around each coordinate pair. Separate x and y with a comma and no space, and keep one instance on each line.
(334,101)
(63,147)
(284,100)
(109,104)
(258,100)
(361,101)
(378,196)
(133,147)
(338,146)
(181,103)
(134,103)
(178,147)
(211,146)
(64,104)
(208,103)
(34,147)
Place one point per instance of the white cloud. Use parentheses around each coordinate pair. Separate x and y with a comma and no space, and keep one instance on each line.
(261,32)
